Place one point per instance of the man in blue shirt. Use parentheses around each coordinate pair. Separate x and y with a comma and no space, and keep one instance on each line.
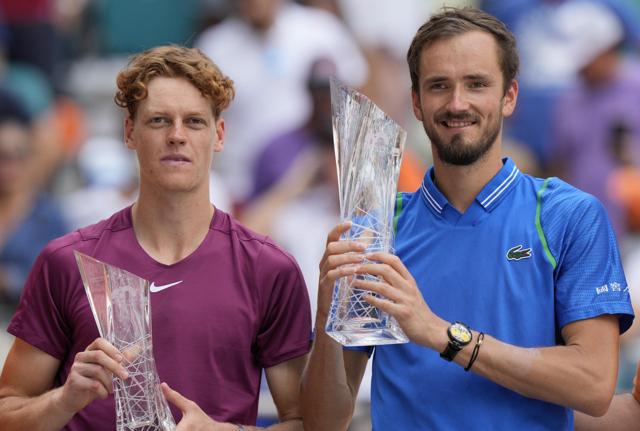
(531,266)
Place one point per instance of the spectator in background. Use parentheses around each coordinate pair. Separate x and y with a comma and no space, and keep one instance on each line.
(109,172)
(606,98)
(268,47)
(278,155)
(28,218)
(32,37)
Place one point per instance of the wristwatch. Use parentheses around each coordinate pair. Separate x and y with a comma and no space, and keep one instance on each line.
(459,336)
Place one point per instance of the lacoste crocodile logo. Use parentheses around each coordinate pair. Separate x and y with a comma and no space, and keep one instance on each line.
(518,253)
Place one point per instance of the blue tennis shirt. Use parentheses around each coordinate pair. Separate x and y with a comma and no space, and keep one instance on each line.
(526,258)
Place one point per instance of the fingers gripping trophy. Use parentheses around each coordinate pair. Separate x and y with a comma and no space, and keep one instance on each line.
(368,148)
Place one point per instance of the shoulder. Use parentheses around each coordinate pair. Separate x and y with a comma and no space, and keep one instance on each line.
(60,250)
(560,199)
(571,219)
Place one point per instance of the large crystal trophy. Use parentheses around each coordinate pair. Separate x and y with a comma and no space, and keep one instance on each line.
(121,308)
(368,148)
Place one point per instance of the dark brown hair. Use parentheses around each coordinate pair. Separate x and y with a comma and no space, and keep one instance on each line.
(452,22)
(173,61)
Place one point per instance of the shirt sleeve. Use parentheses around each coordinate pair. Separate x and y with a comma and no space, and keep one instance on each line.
(589,279)
(285,330)
(40,317)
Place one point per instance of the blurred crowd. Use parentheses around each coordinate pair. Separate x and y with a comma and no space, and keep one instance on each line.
(63,164)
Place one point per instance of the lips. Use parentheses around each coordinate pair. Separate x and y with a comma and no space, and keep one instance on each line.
(175,158)
(457,123)
(452,121)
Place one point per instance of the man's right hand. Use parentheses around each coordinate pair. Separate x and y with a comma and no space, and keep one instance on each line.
(340,259)
(91,375)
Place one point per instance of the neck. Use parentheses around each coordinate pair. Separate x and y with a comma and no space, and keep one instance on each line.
(461,184)
(171,226)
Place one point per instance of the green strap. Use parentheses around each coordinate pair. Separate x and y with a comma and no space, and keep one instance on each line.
(543,238)
(397,212)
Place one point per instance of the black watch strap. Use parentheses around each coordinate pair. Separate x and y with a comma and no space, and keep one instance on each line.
(451,351)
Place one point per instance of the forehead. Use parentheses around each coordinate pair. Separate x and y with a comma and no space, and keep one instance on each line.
(473,52)
(174,94)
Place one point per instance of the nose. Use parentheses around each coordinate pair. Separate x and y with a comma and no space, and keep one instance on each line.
(458,101)
(177,135)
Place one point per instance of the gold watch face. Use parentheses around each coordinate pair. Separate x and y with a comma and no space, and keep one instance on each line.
(460,333)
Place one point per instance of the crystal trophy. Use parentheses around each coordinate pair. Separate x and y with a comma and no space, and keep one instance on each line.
(368,147)
(120,304)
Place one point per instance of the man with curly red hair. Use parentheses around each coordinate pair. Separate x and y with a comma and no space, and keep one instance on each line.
(226,303)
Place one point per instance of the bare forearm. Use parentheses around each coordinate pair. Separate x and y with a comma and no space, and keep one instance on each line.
(561,375)
(623,415)
(327,400)
(41,413)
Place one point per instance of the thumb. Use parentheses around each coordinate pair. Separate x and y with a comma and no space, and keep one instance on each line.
(176,399)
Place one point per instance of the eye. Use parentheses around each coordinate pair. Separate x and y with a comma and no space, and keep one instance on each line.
(438,86)
(158,120)
(478,84)
(196,121)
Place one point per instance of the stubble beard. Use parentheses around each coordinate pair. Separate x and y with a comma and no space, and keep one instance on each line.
(459,152)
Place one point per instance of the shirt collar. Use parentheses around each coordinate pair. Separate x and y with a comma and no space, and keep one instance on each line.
(497,187)
(489,196)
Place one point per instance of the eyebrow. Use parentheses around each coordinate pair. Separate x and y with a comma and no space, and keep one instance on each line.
(470,77)
(437,78)
(154,112)
(477,76)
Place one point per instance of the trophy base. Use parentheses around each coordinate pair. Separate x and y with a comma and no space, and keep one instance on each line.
(353,337)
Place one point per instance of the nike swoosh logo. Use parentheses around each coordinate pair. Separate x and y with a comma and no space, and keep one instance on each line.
(155,289)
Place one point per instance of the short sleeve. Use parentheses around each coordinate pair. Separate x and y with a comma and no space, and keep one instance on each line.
(589,279)
(39,319)
(285,328)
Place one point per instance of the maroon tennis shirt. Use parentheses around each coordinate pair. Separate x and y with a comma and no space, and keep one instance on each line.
(236,305)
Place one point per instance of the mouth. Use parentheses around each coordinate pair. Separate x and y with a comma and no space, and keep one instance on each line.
(457,124)
(460,121)
(173,159)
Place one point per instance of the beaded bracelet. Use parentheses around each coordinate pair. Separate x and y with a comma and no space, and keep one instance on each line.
(476,350)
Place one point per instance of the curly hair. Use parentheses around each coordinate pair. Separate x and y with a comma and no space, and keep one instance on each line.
(173,61)
(452,22)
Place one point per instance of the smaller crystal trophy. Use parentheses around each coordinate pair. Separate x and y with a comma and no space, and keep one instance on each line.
(368,148)
(120,304)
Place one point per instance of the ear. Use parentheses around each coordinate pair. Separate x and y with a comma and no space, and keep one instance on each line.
(128,133)
(510,98)
(417,106)
(218,145)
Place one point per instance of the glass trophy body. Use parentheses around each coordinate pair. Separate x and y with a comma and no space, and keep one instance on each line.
(368,148)
(120,304)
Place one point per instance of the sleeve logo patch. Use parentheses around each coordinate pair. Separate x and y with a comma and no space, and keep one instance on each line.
(614,286)
(518,253)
